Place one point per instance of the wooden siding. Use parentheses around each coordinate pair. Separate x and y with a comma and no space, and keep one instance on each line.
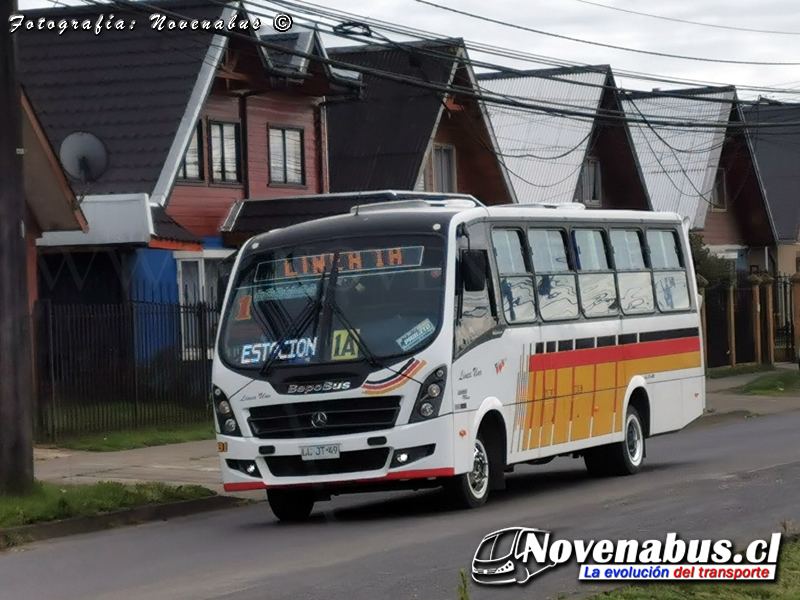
(745,219)
(202,207)
(477,169)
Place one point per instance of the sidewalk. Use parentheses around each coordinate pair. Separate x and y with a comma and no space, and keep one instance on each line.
(198,463)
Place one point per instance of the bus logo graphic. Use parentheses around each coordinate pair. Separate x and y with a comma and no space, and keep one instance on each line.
(501,557)
(319,420)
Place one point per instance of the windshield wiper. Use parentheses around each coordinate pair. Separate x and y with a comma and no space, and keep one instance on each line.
(330,303)
(297,326)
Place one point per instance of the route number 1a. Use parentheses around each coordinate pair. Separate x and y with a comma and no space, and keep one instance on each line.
(344,345)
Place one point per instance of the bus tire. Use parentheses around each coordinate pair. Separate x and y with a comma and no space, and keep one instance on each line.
(622,458)
(292,506)
(471,489)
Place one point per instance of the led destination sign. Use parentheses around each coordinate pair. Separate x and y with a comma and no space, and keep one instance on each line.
(359,261)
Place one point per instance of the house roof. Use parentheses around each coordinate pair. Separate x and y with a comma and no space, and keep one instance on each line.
(543,152)
(288,58)
(166,228)
(396,121)
(130,87)
(47,190)
(777,154)
(680,164)
(251,217)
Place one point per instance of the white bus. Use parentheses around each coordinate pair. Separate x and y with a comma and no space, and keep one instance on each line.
(438,343)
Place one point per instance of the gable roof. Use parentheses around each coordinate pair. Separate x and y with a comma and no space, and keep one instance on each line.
(137,89)
(47,191)
(777,154)
(396,121)
(680,164)
(543,152)
(167,229)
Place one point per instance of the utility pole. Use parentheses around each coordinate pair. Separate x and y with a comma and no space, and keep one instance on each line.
(16,362)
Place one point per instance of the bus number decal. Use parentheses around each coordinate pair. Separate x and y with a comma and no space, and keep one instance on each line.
(344,345)
(245,303)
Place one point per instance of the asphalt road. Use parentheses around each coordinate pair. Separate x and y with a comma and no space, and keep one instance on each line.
(735,480)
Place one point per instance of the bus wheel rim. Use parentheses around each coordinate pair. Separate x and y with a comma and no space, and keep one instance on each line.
(634,440)
(479,476)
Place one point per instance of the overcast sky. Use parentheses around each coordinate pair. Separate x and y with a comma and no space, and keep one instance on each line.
(589,22)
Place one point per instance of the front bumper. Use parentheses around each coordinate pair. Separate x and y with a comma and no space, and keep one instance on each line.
(283,467)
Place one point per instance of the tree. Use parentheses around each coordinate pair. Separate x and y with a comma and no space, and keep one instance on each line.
(717,271)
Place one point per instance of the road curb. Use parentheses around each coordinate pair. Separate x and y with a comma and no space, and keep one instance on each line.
(23,534)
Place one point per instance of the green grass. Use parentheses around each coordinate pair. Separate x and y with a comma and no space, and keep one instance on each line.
(51,502)
(722,372)
(787,586)
(783,383)
(142,438)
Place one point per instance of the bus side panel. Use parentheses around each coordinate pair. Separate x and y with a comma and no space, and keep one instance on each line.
(563,405)
(604,399)
(581,417)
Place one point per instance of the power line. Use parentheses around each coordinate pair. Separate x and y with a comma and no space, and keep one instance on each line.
(687,22)
(611,46)
(311,8)
(466,92)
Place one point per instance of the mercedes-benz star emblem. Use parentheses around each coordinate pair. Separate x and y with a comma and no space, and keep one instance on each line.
(319,419)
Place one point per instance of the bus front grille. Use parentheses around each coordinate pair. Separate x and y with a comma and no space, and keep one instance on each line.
(325,418)
(348,462)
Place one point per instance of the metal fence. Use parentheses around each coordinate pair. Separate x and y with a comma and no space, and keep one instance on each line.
(782,298)
(123,366)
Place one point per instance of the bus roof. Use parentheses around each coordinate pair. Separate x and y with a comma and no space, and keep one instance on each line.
(418,212)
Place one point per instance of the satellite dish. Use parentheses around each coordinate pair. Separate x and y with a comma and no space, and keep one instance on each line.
(84,156)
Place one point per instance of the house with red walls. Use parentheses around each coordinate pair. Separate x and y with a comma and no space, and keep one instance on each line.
(192,120)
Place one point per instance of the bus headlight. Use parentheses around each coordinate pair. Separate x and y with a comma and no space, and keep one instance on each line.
(226,421)
(429,399)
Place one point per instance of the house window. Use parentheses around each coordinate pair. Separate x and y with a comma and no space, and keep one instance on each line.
(225,153)
(191,168)
(719,194)
(590,190)
(444,169)
(198,278)
(286,164)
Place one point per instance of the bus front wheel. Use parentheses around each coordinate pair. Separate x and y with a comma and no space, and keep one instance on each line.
(291,505)
(622,458)
(471,490)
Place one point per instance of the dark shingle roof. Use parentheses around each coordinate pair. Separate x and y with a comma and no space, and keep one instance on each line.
(129,87)
(166,228)
(395,120)
(777,154)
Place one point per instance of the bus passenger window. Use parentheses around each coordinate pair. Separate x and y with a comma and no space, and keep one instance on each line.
(635,282)
(475,315)
(516,283)
(596,281)
(669,277)
(555,280)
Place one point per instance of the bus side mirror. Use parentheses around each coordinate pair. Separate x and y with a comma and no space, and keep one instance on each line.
(474,265)
(225,270)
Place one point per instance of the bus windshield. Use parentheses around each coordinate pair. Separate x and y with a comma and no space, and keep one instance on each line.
(321,302)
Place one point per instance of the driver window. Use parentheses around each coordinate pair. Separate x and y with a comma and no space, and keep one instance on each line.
(476,315)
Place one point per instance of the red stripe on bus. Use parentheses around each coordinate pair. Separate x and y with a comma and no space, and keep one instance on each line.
(245,486)
(594,356)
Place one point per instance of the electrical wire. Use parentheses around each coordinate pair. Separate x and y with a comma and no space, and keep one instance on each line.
(687,22)
(602,45)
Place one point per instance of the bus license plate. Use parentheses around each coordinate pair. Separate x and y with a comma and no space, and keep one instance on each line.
(319,452)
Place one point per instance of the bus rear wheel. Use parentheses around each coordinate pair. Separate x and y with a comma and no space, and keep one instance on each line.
(471,490)
(292,506)
(622,458)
